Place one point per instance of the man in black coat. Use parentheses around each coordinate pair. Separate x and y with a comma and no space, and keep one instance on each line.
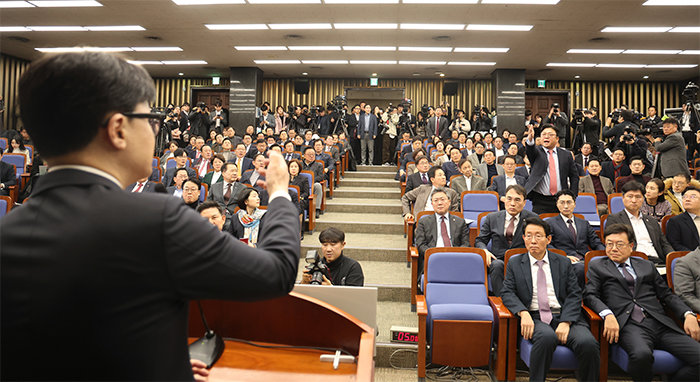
(112,273)
(682,230)
(630,295)
(8,176)
(420,176)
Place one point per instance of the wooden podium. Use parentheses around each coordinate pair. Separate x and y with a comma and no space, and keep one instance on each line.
(292,320)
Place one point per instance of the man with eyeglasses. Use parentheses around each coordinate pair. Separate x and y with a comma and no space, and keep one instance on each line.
(630,296)
(180,162)
(542,289)
(683,231)
(650,240)
(112,273)
(191,190)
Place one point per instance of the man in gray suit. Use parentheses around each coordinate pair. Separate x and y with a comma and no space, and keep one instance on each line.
(504,229)
(489,168)
(477,157)
(686,279)
(420,197)
(671,159)
(440,229)
(468,181)
(226,193)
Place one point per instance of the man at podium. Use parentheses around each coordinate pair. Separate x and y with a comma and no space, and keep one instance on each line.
(95,280)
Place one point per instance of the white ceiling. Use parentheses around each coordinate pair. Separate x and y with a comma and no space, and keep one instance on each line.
(571,24)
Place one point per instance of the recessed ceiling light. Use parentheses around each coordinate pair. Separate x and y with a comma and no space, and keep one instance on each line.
(311,47)
(471,63)
(595,51)
(301,26)
(651,51)
(372,62)
(425,49)
(156,48)
(260,47)
(15,4)
(671,66)
(181,74)
(305,74)
(276,62)
(415,74)
(493,27)
(442,74)
(185,62)
(672,2)
(414,26)
(70,49)
(409,62)
(631,66)
(374,74)
(577,76)
(685,30)
(481,50)
(324,62)
(207,2)
(635,29)
(645,77)
(365,25)
(57,28)
(440,1)
(571,65)
(15,29)
(371,48)
(137,62)
(284,1)
(530,2)
(73,3)
(235,27)
(690,52)
(115,28)
(361,1)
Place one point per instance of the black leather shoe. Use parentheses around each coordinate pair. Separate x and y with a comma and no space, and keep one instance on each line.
(318,214)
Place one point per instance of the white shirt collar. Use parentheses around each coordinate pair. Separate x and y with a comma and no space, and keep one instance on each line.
(629,215)
(533,260)
(565,219)
(89,169)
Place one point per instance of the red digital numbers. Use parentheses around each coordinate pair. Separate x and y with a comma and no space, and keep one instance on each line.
(406,337)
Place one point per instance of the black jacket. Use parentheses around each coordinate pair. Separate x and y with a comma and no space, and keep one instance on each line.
(344,271)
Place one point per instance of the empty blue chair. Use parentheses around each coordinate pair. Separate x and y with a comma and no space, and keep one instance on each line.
(16,159)
(528,205)
(3,144)
(615,204)
(586,205)
(476,202)
(5,205)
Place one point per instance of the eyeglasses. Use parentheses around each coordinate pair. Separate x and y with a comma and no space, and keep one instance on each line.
(618,245)
(153,119)
(538,236)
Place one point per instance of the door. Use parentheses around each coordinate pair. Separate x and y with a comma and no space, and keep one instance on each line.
(210,97)
(541,102)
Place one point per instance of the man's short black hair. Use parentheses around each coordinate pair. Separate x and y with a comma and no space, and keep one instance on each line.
(259,141)
(307,148)
(84,90)
(636,157)
(181,169)
(517,188)
(671,121)
(432,171)
(478,144)
(423,158)
(226,165)
(179,152)
(626,114)
(546,126)
(690,188)
(193,180)
(535,220)
(509,157)
(417,139)
(440,190)
(210,204)
(633,186)
(621,228)
(331,235)
(564,192)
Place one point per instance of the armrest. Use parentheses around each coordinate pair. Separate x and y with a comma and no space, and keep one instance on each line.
(503,312)
(591,316)
(421,307)
(414,253)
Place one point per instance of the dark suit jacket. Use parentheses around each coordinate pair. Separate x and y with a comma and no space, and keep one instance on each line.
(372,126)
(499,183)
(148,187)
(585,237)
(245,178)
(494,229)
(291,156)
(522,171)
(444,128)
(450,169)
(216,193)
(682,233)
(247,163)
(112,275)
(170,174)
(427,234)
(621,182)
(579,158)
(568,173)
(607,289)
(414,180)
(661,245)
(8,175)
(317,169)
(672,155)
(608,170)
(517,286)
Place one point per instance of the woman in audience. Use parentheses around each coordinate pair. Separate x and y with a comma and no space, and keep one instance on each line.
(439,152)
(477,137)
(216,146)
(17,147)
(212,137)
(245,224)
(172,146)
(655,205)
(213,177)
(303,184)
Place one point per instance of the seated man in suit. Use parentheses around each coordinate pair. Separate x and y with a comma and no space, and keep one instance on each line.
(585,156)
(203,163)
(468,181)
(617,167)
(451,167)
(8,177)
(420,197)
(600,186)
(259,148)
(571,234)
(636,170)
(253,177)
(683,231)
(226,193)
(408,155)
(141,185)
(501,182)
(331,150)
(180,162)
(419,177)
(328,162)
(289,153)
(441,229)
(489,168)
(542,289)
(309,164)
(650,240)
(686,279)
(504,229)
(630,296)
(214,213)
(181,175)
(524,171)
(191,190)
(242,162)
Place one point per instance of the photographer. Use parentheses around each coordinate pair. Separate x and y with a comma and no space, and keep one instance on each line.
(219,117)
(624,121)
(671,154)
(407,122)
(591,129)
(633,146)
(461,124)
(266,120)
(688,127)
(299,121)
(199,120)
(480,119)
(561,123)
(652,122)
(336,268)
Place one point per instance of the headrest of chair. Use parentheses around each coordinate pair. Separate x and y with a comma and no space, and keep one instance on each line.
(455,268)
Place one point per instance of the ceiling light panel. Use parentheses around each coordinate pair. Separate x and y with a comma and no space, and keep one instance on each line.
(301,26)
(365,26)
(156,48)
(310,47)
(260,47)
(371,48)
(414,26)
(136,62)
(685,30)
(524,2)
(115,28)
(571,65)
(613,66)
(15,29)
(481,50)
(185,62)
(276,62)
(422,62)
(57,28)
(284,1)
(235,27)
(690,52)
(635,29)
(445,49)
(361,1)
(73,3)
(595,51)
(207,2)
(671,2)
(651,51)
(682,66)
(440,1)
(325,62)
(372,62)
(471,63)
(15,4)
(495,27)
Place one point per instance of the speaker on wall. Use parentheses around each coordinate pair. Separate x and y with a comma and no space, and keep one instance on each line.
(449,88)
(301,86)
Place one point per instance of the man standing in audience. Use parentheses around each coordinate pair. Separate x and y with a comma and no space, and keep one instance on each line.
(502,182)
(438,126)
(419,177)
(420,197)
(504,229)
(111,283)
(180,162)
(649,240)
(600,186)
(218,117)
(671,153)
(367,133)
(636,169)
(226,193)
(440,229)
(309,164)
(630,296)
(489,168)
(686,279)
(683,231)
(553,170)
(541,288)
(468,181)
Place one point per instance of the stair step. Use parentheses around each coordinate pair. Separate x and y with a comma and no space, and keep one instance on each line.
(368,182)
(369,174)
(391,169)
(368,192)
(368,206)
(360,227)
(361,240)
(391,255)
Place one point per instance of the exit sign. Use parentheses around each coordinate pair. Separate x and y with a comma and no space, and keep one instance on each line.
(373,81)
(540,83)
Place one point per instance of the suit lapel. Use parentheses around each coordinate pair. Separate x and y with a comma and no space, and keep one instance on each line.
(454,232)
(612,268)
(553,259)
(526,272)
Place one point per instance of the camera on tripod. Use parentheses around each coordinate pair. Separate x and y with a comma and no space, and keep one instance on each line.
(690,94)
(315,267)
(337,104)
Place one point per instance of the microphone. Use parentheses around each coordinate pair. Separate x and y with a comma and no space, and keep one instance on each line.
(209,347)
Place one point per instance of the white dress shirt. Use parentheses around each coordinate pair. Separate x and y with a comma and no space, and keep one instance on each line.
(215,177)
(515,223)
(644,243)
(551,296)
(510,181)
(468,181)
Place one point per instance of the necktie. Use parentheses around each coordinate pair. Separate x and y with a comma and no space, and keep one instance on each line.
(510,229)
(585,162)
(239,165)
(425,178)
(637,313)
(542,298)
(552,174)
(572,229)
(138,187)
(443,231)
(437,126)
(227,195)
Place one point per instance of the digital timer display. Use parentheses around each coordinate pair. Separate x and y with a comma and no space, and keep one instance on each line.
(404,335)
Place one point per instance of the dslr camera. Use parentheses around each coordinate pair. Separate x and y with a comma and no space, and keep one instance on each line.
(315,267)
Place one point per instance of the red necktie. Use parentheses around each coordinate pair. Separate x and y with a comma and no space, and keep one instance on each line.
(443,232)
(552,174)
(138,188)
(510,229)
(227,195)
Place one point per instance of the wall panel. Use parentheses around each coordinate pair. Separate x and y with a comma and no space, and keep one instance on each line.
(11,70)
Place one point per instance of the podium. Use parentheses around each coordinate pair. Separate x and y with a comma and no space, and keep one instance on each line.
(292,320)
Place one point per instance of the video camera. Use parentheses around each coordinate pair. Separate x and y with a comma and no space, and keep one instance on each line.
(315,267)
(337,104)
(690,94)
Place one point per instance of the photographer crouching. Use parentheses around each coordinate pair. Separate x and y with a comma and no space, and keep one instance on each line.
(331,267)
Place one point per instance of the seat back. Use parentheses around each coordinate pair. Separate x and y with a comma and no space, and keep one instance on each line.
(18,160)
(309,177)
(155,161)
(664,222)
(479,221)
(586,205)
(598,254)
(528,205)
(455,275)
(30,148)
(615,204)
(671,260)
(203,191)
(5,205)
(476,202)
(3,144)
